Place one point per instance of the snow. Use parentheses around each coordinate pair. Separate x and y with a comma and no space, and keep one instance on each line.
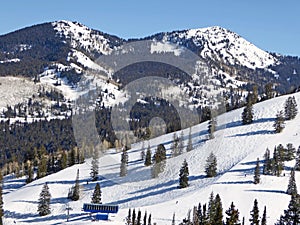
(16,90)
(160,47)
(236,146)
(233,48)
(10,60)
(82,36)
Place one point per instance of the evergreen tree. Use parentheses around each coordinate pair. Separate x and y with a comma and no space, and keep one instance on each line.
(189,146)
(148,156)
(29,172)
(289,152)
(292,188)
(128,218)
(254,220)
(247,115)
(72,158)
(143,154)
(269,90)
(44,201)
(124,162)
(133,220)
(279,122)
(181,143)
(175,146)
(290,108)
(184,175)
(159,160)
(211,166)
(95,165)
(74,193)
(292,214)
(42,167)
(145,219)
(173,219)
(1,199)
(257,172)
(64,160)
(218,219)
(278,164)
(211,208)
(267,167)
(232,215)
(297,165)
(212,124)
(264,217)
(149,220)
(139,218)
(96,198)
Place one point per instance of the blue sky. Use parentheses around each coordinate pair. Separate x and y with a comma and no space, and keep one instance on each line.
(270,24)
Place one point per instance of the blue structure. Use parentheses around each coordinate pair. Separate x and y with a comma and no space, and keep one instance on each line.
(102,209)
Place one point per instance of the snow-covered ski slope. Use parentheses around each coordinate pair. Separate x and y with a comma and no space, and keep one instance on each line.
(236,146)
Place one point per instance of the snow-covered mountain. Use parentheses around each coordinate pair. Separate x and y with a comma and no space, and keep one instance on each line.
(219,44)
(236,146)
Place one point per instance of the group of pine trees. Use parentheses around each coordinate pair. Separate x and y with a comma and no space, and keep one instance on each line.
(210,170)
(134,218)
(212,213)
(275,165)
(290,111)
(158,159)
(74,195)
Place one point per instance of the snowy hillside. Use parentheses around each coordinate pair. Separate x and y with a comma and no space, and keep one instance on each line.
(220,44)
(236,146)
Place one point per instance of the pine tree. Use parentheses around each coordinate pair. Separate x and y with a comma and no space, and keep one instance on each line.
(44,201)
(173,219)
(292,214)
(279,122)
(257,172)
(232,215)
(124,162)
(211,208)
(297,165)
(269,90)
(292,188)
(254,220)
(96,198)
(264,217)
(211,166)
(128,218)
(133,220)
(42,167)
(181,143)
(148,156)
(290,152)
(145,219)
(267,167)
(278,164)
(64,160)
(143,154)
(212,124)
(74,193)
(184,175)
(174,146)
(290,108)
(149,220)
(159,160)
(218,219)
(139,218)
(1,199)
(189,146)
(95,165)
(30,173)
(247,115)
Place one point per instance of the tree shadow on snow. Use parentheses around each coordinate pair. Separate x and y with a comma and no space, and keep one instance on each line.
(267,191)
